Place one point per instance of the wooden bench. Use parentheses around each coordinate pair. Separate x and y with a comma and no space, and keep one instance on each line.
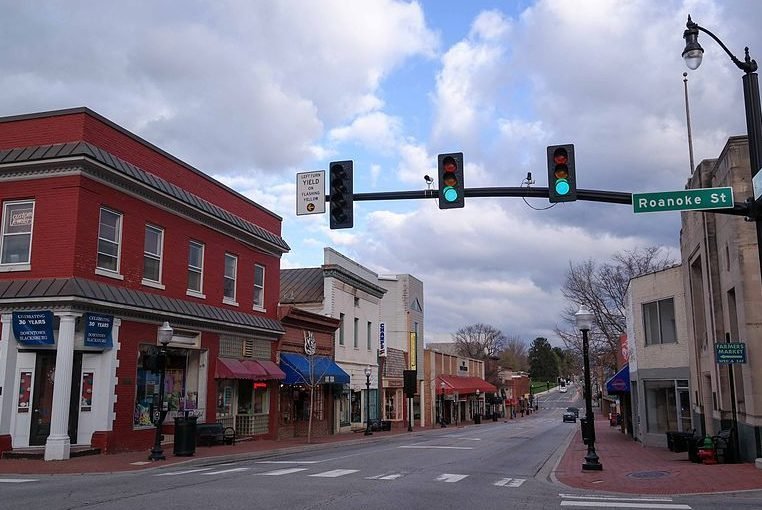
(214,433)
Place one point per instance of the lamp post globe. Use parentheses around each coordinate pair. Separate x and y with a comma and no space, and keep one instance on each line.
(368,371)
(584,322)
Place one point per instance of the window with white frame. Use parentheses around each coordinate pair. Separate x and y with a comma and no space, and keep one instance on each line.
(231,268)
(153,248)
(356,334)
(368,334)
(659,322)
(341,329)
(259,286)
(16,238)
(109,240)
(195,267)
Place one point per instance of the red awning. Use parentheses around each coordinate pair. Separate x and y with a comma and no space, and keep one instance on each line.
(273,370)
(253,370)
(463,385)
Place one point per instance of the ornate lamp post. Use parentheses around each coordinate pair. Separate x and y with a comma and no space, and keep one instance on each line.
(584,322)
(165,336)
(441,406)
(368,371)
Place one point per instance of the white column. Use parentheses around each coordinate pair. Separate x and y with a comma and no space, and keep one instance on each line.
(8,357)
(58,444)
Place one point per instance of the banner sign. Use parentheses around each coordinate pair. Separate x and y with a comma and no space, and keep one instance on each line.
(33,328)
(98,330)
(381,340)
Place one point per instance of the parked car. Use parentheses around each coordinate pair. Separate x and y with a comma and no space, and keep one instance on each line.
(574,410)
(570,416)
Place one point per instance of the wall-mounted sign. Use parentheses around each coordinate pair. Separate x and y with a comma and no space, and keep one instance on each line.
(33,328)
(381,340)
(730,352)
(98,330)
(413,350)
(310,345)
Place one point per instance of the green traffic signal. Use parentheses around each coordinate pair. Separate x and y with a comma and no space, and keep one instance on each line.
(450,171)
(562,185)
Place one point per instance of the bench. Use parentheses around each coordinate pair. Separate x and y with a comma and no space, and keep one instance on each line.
(214,433)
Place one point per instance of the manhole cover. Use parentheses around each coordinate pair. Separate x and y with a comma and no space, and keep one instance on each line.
(648,475)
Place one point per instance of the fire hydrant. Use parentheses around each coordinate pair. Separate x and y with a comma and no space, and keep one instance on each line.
(706,452)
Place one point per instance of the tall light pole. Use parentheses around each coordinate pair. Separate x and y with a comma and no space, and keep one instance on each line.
(165,336)
(368,371)
(693,54)
(441,406)
(584,321)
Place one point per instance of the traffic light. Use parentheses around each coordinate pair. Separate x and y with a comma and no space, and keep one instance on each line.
(451,190)
(562,183)
(340,180)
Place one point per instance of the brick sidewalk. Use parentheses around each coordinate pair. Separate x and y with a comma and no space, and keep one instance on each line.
(629,467)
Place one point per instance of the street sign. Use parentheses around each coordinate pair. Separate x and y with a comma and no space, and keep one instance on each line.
(310,193)
(730,352)
(685,200)
(756,184)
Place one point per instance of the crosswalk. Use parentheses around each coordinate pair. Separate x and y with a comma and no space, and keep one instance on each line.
(614,502)
(17,480)
(335,473)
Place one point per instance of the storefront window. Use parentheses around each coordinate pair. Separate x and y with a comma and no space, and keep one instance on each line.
(356,403)
(224,398)
(661,406)
(180,383)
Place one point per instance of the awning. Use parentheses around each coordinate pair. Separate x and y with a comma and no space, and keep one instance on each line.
(314,370)
(253,370)
(620,382)
(463,385)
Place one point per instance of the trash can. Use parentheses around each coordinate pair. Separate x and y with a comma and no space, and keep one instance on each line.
(185,436)
(477,419)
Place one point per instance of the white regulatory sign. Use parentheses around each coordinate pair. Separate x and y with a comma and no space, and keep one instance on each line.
(310,193)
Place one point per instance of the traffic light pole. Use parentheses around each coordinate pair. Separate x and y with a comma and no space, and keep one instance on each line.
(590,195)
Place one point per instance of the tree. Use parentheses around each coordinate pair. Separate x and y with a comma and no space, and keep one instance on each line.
(514,354)
(602,288)
(471,341)
(543,361)
(484,342)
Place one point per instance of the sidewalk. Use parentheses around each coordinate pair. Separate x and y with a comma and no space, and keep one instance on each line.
(629,467)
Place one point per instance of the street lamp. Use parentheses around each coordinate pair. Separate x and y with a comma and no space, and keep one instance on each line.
(165,336)
(693,54)
(477,417)
(584,321)
(441,406)
(368,371)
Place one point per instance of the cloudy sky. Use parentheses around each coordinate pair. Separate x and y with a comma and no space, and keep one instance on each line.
(254,92)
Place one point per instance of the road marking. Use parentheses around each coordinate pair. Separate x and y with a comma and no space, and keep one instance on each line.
(612,503)
(577,496)
(175,473)
(450,478)
(288,461)
(335,473)
(279,472)
(231,470)
(392,476)
(464,438)
(510,482)
(438,447)
(17,480)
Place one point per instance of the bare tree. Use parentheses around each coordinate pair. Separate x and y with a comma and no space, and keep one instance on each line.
(602,288)
(514,354)
(471,341)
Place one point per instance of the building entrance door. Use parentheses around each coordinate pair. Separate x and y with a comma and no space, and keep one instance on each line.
(42,397)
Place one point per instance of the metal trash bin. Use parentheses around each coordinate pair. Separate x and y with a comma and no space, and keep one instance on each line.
(477,419)
(185,436)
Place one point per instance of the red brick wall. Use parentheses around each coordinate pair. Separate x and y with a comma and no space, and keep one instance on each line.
(65,240)
(81,126)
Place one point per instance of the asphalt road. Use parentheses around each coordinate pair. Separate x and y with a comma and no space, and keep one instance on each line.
(495,465)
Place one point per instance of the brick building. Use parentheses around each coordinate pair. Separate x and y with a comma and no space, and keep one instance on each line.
(105,237)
